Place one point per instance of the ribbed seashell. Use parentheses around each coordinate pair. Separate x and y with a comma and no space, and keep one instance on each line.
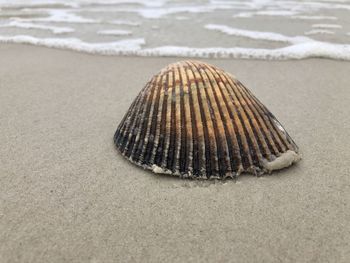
(197,121)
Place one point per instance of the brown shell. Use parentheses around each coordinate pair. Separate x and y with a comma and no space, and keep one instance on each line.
(194,120)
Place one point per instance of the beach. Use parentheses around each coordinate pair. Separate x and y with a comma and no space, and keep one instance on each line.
(67,195)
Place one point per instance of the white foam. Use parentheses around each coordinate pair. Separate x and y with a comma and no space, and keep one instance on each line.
(80,14)
(36,3)
(122,47)
(297,51)
(335,1)
(182,18)
(326,26)
(147,3)
(266,13)
(27,25)
(270,36)
(115,32)
(276,13)
(156,13)
(133,47)
(310,17)
(244,15)
(124,22)
(78,3)
(60,16)
(159,13)
(309,6)
(319,31)
(299,7)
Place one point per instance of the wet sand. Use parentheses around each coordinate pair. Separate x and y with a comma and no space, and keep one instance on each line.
(66,195)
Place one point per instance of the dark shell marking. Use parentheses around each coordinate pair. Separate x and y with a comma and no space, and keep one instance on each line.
(194,120)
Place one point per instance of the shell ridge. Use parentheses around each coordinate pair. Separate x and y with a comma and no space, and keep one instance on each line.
(246,158)
(167,124)
(125,125)
(286,136)
(124,122)
(232,112)
(274,130)
(250,133)
(234,148)
(255,147)
(130,134)
(260,127)
(211,150)
(173,129)
(205,145)
(288,141)
(151,157)
(139,140)
(198,152)
(267,134)
(226,169)
(189,120)
(160,146)
(185,118)
(145,136)
(171,126)
(178,119)
(221,95)
(152,125)
(237,127)
(255,126)
(270,119)
(222,141)
(211,120)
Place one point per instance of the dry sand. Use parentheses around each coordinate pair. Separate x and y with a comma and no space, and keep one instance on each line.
(66,195)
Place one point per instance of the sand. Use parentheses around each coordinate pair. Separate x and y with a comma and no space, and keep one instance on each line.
(66,195)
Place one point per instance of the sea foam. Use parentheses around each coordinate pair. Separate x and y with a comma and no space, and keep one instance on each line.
(87,22)
(319,31)
(124,22)
(310,17)
(60,16)
(258,35)
(333,26)
(122,47)
(300,50)
(115,32)
(27,25)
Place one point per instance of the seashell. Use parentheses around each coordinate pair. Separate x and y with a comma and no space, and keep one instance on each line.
(194,120)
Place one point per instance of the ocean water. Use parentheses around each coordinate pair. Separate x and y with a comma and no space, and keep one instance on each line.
(251,29)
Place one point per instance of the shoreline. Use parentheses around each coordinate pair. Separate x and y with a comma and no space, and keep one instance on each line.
(301,47)
(67,195)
